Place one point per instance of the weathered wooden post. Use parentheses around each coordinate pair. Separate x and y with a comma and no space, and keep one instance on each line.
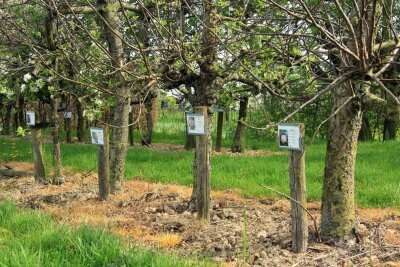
(39,173)
(202,169)
(291,136)
(99,137)
(197,125)
(220,122)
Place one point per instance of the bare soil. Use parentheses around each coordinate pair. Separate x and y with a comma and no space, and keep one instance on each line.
(242,232)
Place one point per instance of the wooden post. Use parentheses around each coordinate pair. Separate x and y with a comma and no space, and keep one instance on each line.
(203,169)
(130,134)
(39,173)
(220,122)
(68,129)
(298,193)
(103,167)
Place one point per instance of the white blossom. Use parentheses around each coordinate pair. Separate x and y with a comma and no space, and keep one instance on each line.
(23,87)
(88,114)
(98,102)
(27,77)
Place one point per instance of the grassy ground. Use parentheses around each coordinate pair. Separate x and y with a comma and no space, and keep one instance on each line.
(377,183)
(29,238)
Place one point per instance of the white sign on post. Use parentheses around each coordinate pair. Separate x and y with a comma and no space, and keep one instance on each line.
(195,124)
(68,115)
(130,109)
(97,136)
(30,118)
(289,136)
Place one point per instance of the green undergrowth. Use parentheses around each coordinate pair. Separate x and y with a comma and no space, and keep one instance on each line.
(30,238)
(376,175)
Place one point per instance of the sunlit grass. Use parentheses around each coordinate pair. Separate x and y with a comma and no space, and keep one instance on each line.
(29,238)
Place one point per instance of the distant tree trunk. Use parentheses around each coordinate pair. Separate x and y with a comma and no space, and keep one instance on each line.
(389,129)
(147,140)
(21,111)
(131,129)
(338,210)
(365,132)
(7,120)
(16,121)
(80,126)
(220,122)
(237,146)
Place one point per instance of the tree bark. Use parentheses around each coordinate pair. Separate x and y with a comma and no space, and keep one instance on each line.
(80,126)
(237,145)
(147,140)
(131,129)
(7,120)
(338,208)
(389,129)
(118,146)
(365,132)
(220,122)
(56,151)
(51,35)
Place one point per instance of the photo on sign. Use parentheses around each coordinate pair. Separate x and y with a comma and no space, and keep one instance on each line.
(68,115)
(96,135)
(195,124)
(289,136)
(283,138)
(30,118)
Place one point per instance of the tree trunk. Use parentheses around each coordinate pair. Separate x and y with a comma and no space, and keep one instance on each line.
(220,122)
(237,146)
(338,210)
(56,152)
(118,146)
(389,129)
(131,129)
(365,132)
(7,120)
(39,173)
(21,111)
(80,126)
(147,140)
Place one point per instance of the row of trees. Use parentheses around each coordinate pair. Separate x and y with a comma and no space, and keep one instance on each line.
(104,54)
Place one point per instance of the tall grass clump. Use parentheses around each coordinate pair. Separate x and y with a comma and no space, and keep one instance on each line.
(29,238)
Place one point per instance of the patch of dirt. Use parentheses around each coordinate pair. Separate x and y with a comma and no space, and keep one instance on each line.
(254,232)
(224,151)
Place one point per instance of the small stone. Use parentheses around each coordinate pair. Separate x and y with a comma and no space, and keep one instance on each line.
(262,234)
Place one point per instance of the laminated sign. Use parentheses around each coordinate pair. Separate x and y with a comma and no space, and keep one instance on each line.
(289,136)
(195,124)
(30,118)
(97,136)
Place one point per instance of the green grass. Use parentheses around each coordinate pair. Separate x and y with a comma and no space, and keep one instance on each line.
(29,238)
(377,183)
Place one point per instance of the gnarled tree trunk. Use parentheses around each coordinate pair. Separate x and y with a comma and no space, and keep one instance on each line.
(338,210)
(118,145)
